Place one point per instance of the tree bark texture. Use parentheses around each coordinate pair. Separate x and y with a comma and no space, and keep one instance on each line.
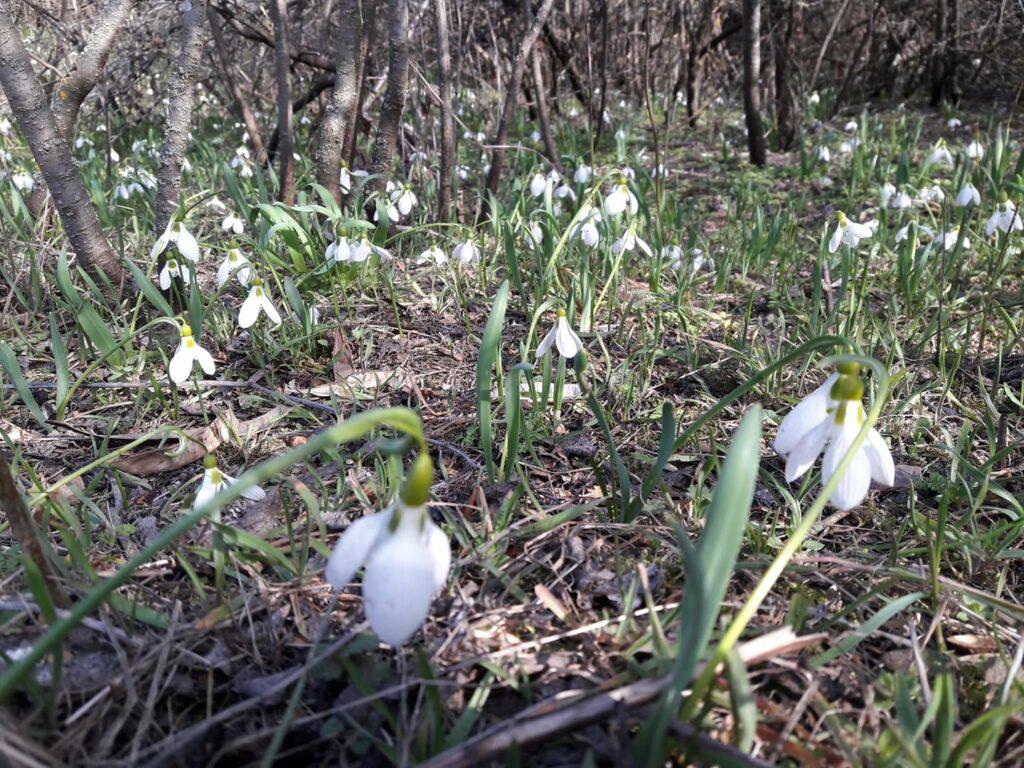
(393,104)
(231,82)
(71,91)
(444,65)
(785,106)
(181,98)
(285,134)
(330,139)
(751,75)
(508,107)
(366,39)
(53,155)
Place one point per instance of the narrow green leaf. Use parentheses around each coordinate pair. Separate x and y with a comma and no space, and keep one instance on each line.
(9,362)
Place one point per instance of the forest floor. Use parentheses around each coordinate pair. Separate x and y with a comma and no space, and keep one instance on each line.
(552,598)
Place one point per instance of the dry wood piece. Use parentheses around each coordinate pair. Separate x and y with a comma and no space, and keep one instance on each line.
(24,528)
(554,716)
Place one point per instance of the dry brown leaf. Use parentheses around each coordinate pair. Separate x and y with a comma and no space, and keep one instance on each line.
(225,428)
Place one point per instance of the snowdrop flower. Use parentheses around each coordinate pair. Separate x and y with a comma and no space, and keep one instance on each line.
(672,256)
(561,336)
(181,237)
(629,241)
(234,262)
(364,249)
(701,260)
(940,155)
(851,126)
(900,201)
(823,154)
(847,147)
(538,184)
(621,199)
(433,255)
(232,223)
(932,194)
(463,172)
(114,156)
(338,251)
(344,180)
(534,234)
(256,302)
(975,151)
(814,99)
(850,232)
(215,481)
(888,190)
(404,199)
(586,226)
(189,352)
(1005,219)
(565,191)
(172,268)
(953,123)
(23,181)
(582,174)
(968,195)
(832,416)
(466,252)
(535,136)
(126,191)
(902,233)
(949,240)
(406,558)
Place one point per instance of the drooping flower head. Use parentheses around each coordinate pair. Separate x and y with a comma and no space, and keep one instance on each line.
(561,336)
(214,481)
(188,353)
(406,558)
(256,302)
(850,232)
(829,419)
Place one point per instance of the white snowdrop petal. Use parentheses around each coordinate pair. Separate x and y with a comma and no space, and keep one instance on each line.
(250,310)
(271,311)
(353,548)
(546,343)
(181,364)
(440,554)
(807,451)
(187,245)
(804,417)
(205,360)
(856,480)
(883,470)
(398,587)
(835,240)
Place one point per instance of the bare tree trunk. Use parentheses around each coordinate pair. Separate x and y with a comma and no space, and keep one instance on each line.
(327,150)
(53,154)
(181,98)
(241,101)
(597,121)
(445,175)
(543,114)
(286,140)
(71,91)
(366,39)
(509,106)
(785,107)
(393,104)
(751,74)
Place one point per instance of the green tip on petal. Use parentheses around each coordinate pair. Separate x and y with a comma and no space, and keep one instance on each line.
(416,488)
(209,461)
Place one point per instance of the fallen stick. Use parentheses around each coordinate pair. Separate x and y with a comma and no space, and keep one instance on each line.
(554,716)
